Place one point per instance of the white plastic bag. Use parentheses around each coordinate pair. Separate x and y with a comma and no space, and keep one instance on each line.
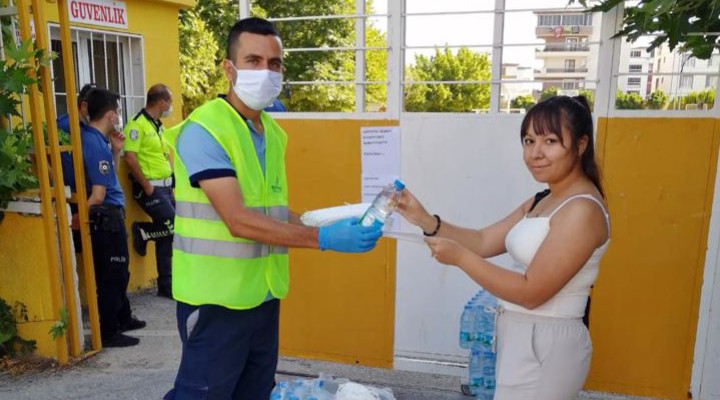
(327,216)
(356,391)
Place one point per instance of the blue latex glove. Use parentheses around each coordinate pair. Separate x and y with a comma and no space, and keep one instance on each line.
(348,236)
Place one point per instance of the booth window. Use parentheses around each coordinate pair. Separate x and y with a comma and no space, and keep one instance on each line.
(110,60)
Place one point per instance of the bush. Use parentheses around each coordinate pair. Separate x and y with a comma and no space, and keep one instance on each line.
(16,142)
(10,342)
(628,101)
(657,100)
(525,101)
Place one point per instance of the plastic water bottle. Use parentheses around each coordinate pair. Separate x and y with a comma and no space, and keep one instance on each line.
(475,381)
(383,205)
(467,324)
(487,390)
(484,320)
(484,342)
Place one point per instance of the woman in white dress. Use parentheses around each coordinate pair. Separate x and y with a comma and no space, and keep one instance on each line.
(556,239)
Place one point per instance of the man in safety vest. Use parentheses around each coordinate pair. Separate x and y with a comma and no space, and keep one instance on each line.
(233,227)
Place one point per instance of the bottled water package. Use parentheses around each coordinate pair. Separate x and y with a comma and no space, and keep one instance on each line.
(328,388)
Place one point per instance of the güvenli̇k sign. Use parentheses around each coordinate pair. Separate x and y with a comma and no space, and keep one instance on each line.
(99,12)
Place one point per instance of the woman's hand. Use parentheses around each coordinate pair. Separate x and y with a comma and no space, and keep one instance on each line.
(447,251)
(412,210)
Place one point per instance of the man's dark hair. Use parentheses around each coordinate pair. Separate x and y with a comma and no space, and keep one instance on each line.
(254,25)
(86,89)
(100,101)
(158,93)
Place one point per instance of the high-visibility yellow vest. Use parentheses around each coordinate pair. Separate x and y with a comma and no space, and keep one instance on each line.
(145,139)
(209,265)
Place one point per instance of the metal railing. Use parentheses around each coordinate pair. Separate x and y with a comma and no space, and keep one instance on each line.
(563,70)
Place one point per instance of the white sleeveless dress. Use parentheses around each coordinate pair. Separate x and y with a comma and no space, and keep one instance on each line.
(545,353)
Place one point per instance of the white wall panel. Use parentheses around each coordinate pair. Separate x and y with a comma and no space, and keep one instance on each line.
(469,170)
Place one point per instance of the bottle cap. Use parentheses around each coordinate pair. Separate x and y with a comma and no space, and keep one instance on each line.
(399,185)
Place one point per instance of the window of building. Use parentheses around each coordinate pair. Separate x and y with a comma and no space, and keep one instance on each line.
(549,20)
(635,68)
(569,85)
(110,60)
(578,19)
(636,53)
(634,81)
(633,92)
(686,81)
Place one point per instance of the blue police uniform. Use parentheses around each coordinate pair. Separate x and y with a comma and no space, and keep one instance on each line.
(107,231)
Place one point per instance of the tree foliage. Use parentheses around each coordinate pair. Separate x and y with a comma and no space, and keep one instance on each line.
(306,66)
(524,101)
(16,140)
(200,75)
(448,97)
(548,93)
(657,100)
(628,101)
(677,23)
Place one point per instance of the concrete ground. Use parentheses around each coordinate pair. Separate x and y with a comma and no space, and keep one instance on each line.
(147,371)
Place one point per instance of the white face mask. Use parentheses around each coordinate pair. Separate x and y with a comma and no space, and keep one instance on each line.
(167,113)
(118,126)
(257,88)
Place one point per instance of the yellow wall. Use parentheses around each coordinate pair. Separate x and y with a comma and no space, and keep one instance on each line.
(23,265)
(660,175)
(340,307)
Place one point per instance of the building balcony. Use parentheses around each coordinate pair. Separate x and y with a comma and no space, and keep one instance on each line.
(563,30)
(563,51)
(561,73)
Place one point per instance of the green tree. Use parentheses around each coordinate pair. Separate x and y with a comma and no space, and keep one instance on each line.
(525,101)
(446,66)
(201,76)
(220,15)
(628,101)
(548,93)
(657,100)
(330,65)
(590,96)
(678,22)
(707,96)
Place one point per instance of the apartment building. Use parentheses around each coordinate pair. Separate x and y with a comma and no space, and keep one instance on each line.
(570,51)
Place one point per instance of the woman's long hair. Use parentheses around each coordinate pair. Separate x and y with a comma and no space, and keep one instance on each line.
(572,113)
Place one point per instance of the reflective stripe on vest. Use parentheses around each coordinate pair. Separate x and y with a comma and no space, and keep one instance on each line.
(207,211)
(216,248)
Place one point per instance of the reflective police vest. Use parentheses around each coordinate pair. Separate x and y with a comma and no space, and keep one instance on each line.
(209,265)
(143,137)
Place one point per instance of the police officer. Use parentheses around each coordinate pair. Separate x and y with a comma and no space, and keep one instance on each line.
(230,261)
(147,158)
(101,145)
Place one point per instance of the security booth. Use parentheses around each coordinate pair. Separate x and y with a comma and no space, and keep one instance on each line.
(125,47)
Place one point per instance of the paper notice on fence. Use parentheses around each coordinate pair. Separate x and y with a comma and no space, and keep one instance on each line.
(380,151)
